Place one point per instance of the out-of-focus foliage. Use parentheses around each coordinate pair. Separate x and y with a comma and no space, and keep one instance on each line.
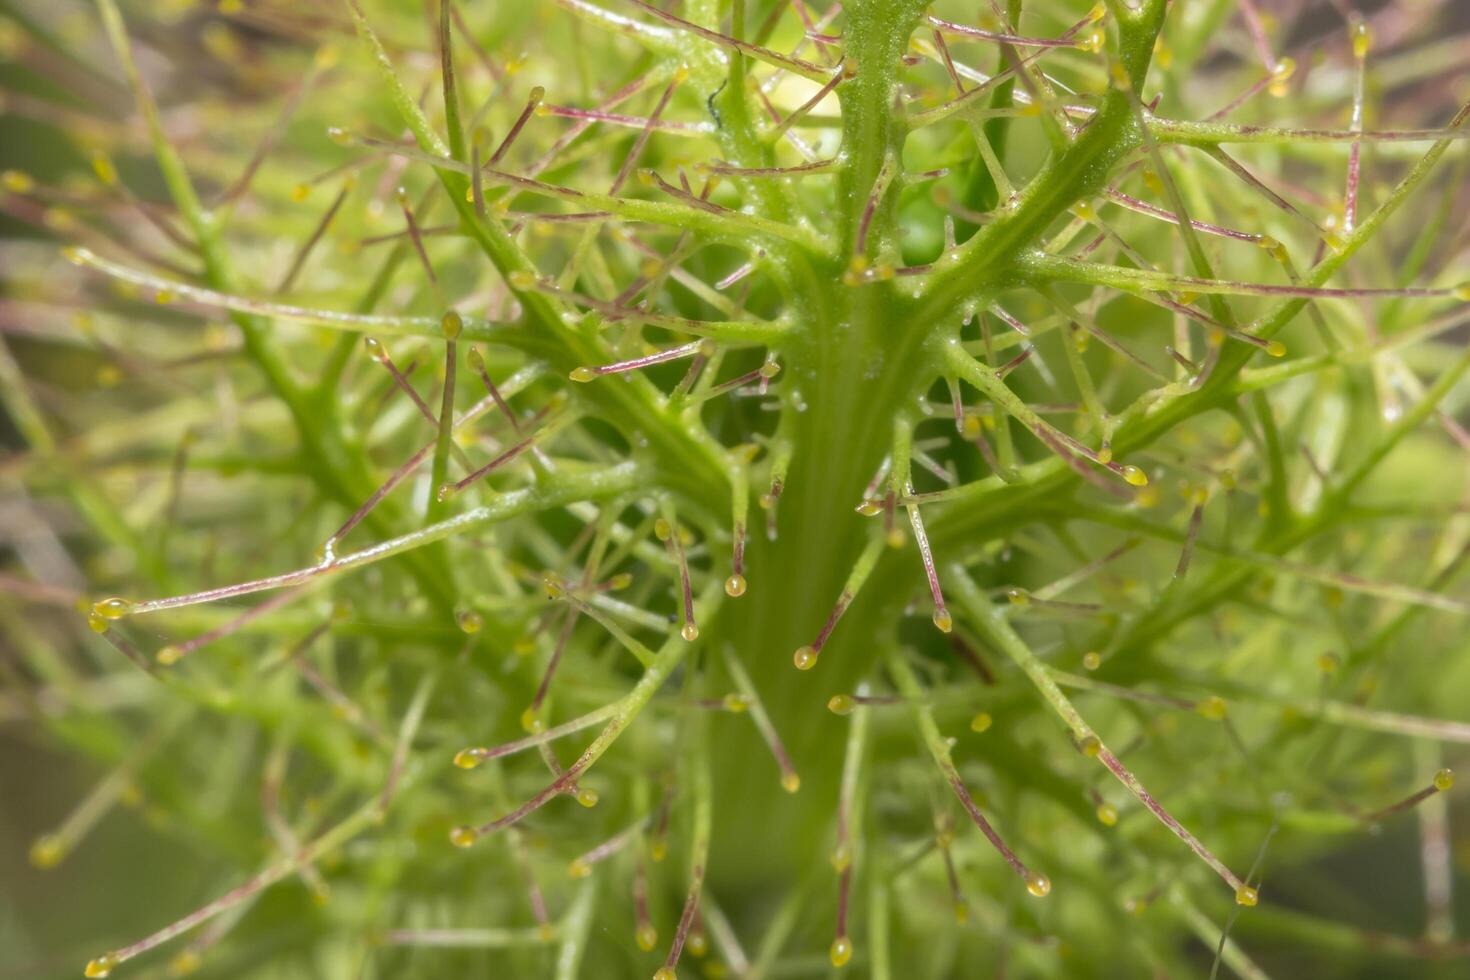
(1109,308)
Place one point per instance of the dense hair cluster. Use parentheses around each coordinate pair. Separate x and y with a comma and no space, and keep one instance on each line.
(885,462)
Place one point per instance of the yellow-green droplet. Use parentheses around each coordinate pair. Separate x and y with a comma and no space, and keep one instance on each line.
(1247,896)
(168,656)
(1018,597)
(451,325)
(736,703)
(735,586)
(1135,476)
(17,181)
(698,945)
(790,782)
(841,704)
(469,758)
(841,857)
(579,869)
(690,632)
(469,621)
(1107,815)
(463,836)
(665,973)
(582,375)
(841,951)
(531,721)
(1276,348)
(646,937)
(805,658)
(1444,780)
(981,722)
(113,608)
(1092,660)
(1362,39)
(587,797)
(1038,884)
(1462,292)
(1090,746)
(47,851)
(943,620)
(1213,708)
(101,966)
(97,622)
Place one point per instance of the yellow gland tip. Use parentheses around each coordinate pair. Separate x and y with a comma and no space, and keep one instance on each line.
(870,508)
(961,913)
(1444,780)
(1092,40)
(168,656)
(1038,884)
(463,837)
(735,586)
(531,721)
(1362,39)
(587,797)
(582,375)
(841,951)
(841,857)
(662,530)
(1092,660)
(1018,597)
(97,622)
(451,324)
(18,181)
(790,782)
(1213,708)
(48,850)
(841,704)
(805,658)
(469,621)
(658,850)
(546,932)
(1247,896)
(1462,292)
(690,632)
(736,703)
(1135,476)
(113,608)
(697,945)
(1090,746)
(300,192)
(646,937)
(665,973)
(469,758)
(579,869)
(1107,815)
(1276,348)
(943,620)
(101,966)
(103,168)
(981,722)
